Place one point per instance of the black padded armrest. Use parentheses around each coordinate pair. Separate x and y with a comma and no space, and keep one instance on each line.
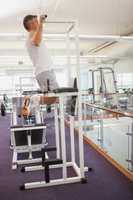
(65,89)
(27,125)
(31,92)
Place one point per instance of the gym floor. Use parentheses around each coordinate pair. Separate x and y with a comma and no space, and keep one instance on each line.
(104,182)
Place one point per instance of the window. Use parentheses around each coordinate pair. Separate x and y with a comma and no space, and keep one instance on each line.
(125,80)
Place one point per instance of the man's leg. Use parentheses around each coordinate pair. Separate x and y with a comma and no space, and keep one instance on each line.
(41,79)
(52,80)
(52,84)
(45,78)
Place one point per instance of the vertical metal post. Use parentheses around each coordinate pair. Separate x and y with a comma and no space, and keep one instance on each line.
(68,58)
(116,89)
(102,85)
(72,139)
(29,144)
(101,139)
(93,86)
(13,123)
(85,114)
(14,115)
(63,141)
(132,147)
(38,115)
(57,139)
(41,114)
(81,148)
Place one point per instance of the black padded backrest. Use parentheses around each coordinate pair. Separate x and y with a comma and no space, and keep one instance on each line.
(31,92)
(65,89)
(21,137)
(74,98)
(75,84)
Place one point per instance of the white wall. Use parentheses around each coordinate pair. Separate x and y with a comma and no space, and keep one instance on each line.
(124,66)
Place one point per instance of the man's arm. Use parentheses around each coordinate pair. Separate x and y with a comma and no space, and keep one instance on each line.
(36,36)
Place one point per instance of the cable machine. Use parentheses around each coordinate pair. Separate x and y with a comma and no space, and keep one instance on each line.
(102,77)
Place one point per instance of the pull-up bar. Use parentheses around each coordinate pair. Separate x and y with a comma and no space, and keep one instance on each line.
(70,23)
(59,22)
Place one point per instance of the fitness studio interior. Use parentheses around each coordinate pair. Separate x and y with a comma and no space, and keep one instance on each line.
(66,99)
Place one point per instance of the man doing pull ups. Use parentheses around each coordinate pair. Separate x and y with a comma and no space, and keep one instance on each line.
(38,52)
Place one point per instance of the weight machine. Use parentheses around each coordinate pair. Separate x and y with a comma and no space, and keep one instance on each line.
(61,155)
(60,161)
(100,78)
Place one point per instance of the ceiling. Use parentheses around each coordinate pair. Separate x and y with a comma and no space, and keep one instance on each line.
(95,17)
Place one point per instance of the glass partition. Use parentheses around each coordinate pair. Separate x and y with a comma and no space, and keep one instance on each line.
(110,131)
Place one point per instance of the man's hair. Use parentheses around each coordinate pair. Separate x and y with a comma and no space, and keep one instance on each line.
(26,19)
